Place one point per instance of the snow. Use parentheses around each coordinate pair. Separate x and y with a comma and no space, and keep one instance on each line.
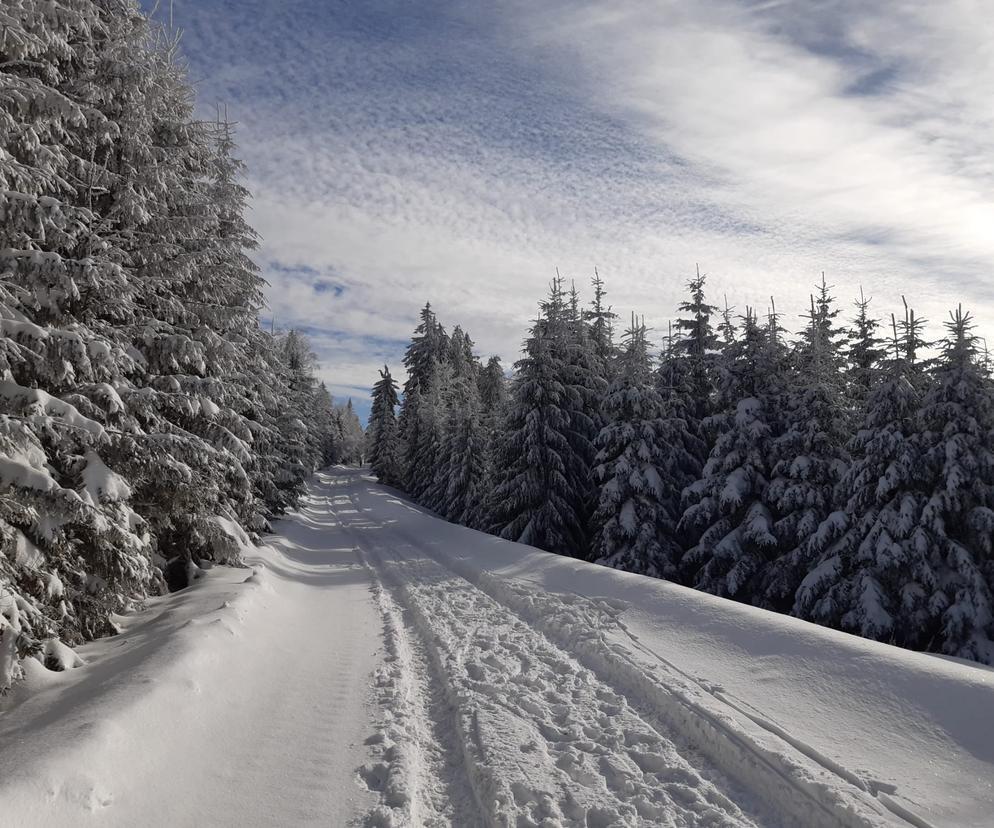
(378,666)
(23,469)
(101,484)
(38,402)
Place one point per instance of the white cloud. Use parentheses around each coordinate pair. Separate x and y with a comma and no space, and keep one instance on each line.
(461,155)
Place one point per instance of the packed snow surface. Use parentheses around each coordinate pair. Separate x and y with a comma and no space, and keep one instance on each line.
(377,666)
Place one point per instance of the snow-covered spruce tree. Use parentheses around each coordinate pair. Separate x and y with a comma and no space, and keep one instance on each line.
(698,344)
(461,368)
(600,321)
(424,470)
(865,350)
(875,573)
(300,449)
(134,374)
(585,384)
(535,499)
(71,549)
(189,472)
(244,360)
(227,305)
(727,328)
(493,391)
(351,442)
(956,428)
(461,357)
(383,447)
(266,398)
(493,405)
(326,424)
(429,346)
(727,507)
(632,529)
(464,451)
(686,379)
(684,447)
(808,458)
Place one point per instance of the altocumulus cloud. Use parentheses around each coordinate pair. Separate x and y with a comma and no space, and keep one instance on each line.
(459,152)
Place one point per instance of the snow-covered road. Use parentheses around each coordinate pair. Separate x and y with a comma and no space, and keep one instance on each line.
(381,667)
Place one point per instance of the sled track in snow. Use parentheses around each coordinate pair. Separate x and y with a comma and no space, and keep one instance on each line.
(508,656)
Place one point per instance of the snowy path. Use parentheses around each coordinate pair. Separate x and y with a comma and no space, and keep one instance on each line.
(382,668)
(240,701)
(552,730)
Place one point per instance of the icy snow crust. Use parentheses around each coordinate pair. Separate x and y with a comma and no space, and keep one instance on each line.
(377,666)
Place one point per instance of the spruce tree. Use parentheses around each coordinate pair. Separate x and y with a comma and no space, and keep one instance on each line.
(465,447)
(460,371)
(600,321)
(384,449)
(728,510)
(536,499)
(429,345)
(493,389)
(632,530)
(426,477)
(143,413)
(698,343)
(875,573)
(584,382)
(493,393)
(426,353)
(808,458)
(323,423)
(683,442)
(83,552)
(956,428)
(687,379)
(347,439)
(864,353)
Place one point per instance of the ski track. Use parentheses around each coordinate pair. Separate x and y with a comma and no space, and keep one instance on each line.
(545,684)
(544,741)
(417,768)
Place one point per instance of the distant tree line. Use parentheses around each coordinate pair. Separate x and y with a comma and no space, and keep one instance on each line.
(844,475)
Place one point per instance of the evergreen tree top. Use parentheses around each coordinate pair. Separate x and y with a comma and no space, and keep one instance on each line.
(959,348)
(699,338)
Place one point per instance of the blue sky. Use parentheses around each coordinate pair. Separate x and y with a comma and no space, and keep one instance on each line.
(461,151)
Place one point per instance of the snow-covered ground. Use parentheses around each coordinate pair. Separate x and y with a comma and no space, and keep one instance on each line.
(380,667)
